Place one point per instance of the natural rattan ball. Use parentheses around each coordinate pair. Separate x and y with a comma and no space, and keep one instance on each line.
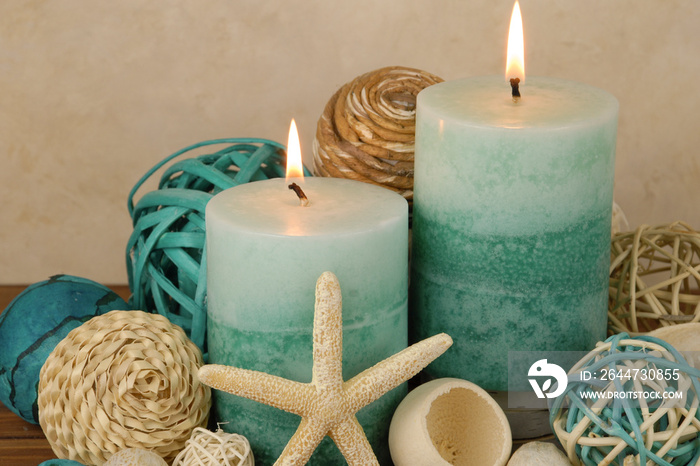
(166,260)
(207,448)
(654,278)
(646,405)
(125,379)
(367,130)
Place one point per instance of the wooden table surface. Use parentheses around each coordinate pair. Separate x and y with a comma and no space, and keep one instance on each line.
(23,443)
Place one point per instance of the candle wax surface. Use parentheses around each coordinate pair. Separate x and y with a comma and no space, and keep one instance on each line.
(546,103)
(511,225)
(264,255)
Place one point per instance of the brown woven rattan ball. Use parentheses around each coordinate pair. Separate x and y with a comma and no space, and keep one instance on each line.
(125,379)
(654,278)
(367,129)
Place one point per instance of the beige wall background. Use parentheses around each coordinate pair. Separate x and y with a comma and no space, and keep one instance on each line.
(92,94)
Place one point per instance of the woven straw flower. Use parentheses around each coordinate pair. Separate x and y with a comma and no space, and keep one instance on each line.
(367,130)
(126,379)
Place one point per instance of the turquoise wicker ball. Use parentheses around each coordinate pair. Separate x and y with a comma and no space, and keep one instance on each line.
(34,323)
(166,260)
(630,396)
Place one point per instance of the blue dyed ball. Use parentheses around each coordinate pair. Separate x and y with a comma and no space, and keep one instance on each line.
(633,395)
(34,323)
(60,463)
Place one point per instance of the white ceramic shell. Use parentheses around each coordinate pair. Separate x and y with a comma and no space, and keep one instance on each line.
(449,421)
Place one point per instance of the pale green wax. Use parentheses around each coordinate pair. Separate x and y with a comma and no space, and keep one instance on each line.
(511,226)
(264,255)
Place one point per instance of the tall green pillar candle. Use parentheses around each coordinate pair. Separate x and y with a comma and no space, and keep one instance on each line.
(264,255)
(511,221)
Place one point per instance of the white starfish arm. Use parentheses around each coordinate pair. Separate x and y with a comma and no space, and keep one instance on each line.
(352,443)
(288,395)
(302,444)
(328,335)
(374,382)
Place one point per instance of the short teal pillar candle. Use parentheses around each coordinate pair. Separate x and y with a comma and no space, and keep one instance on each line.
(511,221)
(264,254)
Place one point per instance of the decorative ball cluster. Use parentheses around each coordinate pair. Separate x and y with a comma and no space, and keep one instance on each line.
(367,130)
(654,278)
(207,448)
(126,379)
(165,253)
(633,418)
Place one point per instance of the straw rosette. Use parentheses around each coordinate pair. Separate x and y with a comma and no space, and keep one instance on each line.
(125,379)
(367,130)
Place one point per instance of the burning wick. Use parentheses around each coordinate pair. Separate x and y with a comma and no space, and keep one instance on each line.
(515,85)
(303,200)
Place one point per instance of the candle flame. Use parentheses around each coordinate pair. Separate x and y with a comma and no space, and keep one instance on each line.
(515,64)
(295,169)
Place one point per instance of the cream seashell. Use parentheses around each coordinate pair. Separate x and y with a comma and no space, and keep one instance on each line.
(683,337)
(449,421)
(538,454)
(135,457)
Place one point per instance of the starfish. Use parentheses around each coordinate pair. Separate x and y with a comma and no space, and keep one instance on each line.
(327,405)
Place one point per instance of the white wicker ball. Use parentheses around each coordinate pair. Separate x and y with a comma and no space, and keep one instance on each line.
(207,448)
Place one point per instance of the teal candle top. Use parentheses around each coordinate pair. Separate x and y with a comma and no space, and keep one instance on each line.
(336,208)
(516,167)
(486,102)
(266,250)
